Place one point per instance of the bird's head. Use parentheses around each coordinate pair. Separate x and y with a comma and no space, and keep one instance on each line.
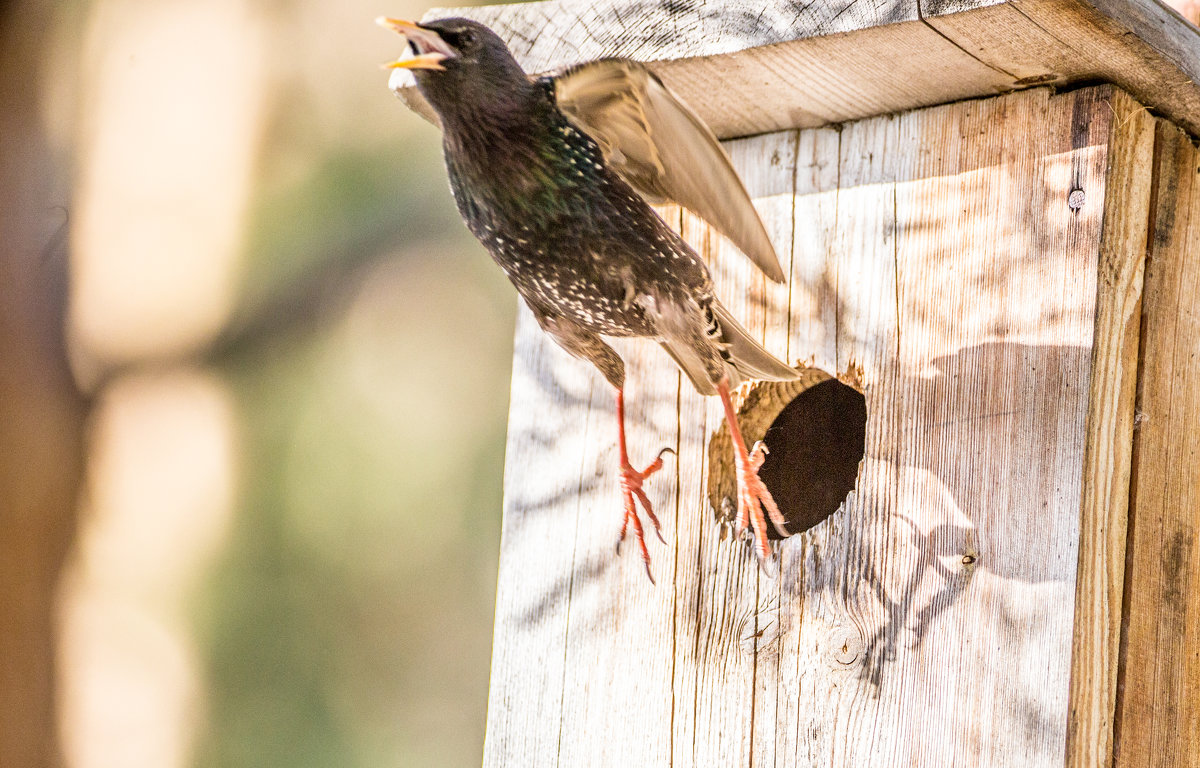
(458,64)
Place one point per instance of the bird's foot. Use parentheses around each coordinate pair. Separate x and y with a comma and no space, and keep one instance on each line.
(631,488)
(753,499)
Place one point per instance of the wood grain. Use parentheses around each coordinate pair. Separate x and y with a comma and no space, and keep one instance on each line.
(955,254)
(1107,460)
(1158,707)
(750,68)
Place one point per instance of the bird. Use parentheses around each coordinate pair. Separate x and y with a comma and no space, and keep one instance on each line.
(555,175)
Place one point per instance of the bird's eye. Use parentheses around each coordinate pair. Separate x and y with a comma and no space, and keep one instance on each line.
(466,37)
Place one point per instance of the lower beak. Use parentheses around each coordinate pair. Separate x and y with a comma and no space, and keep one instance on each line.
(432,60)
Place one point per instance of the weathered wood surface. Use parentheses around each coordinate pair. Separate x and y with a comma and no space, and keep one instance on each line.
(1158,711)
(1108,455)
(753,67)
(930,621)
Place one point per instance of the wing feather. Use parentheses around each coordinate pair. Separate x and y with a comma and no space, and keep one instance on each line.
(663,149)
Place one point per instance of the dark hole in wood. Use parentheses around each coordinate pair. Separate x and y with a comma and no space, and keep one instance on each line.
(815,444)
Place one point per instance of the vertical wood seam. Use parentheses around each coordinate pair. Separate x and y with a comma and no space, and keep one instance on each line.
(837,272)
(754,668)
(791,276)
(1109,430)
(704,248)
(676,222)
(579,499)
(896,262)
(1179,277)
(675,569)
(1163,738)
(791,286)
(1134,462)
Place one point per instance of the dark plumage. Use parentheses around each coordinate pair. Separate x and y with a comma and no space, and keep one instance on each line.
(544,174)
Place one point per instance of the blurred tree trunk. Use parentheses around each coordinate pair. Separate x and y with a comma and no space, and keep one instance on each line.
(41,412)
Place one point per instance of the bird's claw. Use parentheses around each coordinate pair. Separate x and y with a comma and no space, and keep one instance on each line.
(769,565)
(758,454)
(753,499)
(631,488)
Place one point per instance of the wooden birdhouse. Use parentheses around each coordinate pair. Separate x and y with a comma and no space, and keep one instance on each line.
(992,464)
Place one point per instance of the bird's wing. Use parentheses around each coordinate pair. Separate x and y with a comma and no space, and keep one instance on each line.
(663,149)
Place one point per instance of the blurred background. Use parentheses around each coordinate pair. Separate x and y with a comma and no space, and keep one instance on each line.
(253,386)
(253,389)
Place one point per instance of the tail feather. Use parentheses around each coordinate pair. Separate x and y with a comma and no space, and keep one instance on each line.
(744,358)
(746,355)
(691,364)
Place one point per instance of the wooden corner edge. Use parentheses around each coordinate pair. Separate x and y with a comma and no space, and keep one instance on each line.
(1109,431)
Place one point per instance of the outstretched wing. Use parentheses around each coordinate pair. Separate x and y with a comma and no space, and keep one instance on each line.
(663,149)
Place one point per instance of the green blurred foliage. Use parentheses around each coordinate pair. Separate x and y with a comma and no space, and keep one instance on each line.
(349,619)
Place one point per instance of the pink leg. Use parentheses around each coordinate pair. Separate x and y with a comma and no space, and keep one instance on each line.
(753,496)
(631,487)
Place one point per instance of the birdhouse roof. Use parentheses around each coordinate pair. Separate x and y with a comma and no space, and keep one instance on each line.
(754,66)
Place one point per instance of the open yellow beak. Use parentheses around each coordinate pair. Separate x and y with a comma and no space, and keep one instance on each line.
(433,49)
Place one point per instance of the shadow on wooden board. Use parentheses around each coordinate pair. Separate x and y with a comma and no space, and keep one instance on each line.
(976,269)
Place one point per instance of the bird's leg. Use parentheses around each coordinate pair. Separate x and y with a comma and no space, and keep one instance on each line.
(753,496)
(586,345)
(631,487)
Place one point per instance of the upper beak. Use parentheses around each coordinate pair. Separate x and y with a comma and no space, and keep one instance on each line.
(430,49)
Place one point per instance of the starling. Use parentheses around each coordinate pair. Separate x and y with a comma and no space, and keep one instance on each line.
(555,176)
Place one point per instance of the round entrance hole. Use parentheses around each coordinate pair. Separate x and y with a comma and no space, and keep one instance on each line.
(815,433)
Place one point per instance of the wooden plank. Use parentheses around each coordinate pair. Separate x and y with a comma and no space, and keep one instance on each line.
(719,596)
(957,402)
(750,68)
(769,166)
(825,584)
(811,329)
(607,595)
(1158,705)
(930,621)
(812,302)
(715,593)
(1046,42)
(1106,466)
(541,509)
(768,88)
